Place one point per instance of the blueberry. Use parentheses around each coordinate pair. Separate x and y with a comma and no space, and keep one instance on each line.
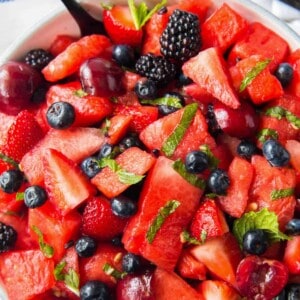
(275,153)
(284,73)
(218,181)
(293,227)
(146,89)
(123,207)
(106,150)
(124,55)
(292,291)
(94,290)
(117,241)
(131,263)
(255,241)
(246,149)
(184,80)
(196,161)
(60,115)
(168,109)
(90,166)
(11,181)
(34,196)
(85,246)
(130,141)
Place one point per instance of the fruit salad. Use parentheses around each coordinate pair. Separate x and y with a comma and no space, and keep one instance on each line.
(157,160)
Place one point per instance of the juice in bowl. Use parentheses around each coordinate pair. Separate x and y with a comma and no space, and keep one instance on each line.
(159,160)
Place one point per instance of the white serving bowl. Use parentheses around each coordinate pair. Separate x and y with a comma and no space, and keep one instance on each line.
(59,21)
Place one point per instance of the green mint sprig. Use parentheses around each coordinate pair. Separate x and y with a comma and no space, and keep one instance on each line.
(278,194)
(253,73)
(47,250)
(141,14)
(111,271)
(163,213)
(172,101)
(279,112)
(263,219)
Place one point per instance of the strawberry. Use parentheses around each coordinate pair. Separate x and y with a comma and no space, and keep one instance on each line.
(190,267)
(98,220)
(291,256)
(5,122)
(217,290)
(209,220)
(208,70)
(93,268)
(88,109)
(120,27)
(168,285)
(60,43)
(240,173)
(66,184)
(221,255)
(22,136)
(76,143)
(69,61)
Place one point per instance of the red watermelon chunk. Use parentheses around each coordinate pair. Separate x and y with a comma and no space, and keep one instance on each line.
(208,69)
(162,185)
(76,143)
(26,273)
(155,135)
(223,28)
(133,160)
(260,40)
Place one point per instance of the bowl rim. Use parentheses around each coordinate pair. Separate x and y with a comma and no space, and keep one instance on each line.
(12,51)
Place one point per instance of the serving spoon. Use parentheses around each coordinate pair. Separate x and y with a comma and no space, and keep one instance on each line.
(87,24)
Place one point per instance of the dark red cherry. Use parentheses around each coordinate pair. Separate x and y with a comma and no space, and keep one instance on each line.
(261,278)
(241,122)
(101,77)
(18,83)
(133,287)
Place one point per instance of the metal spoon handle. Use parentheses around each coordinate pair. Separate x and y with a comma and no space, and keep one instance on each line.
(87,24)
(293,3)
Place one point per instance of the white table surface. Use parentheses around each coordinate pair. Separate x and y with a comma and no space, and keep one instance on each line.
(16,16)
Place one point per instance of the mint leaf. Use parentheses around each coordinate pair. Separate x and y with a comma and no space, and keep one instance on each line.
(193,179)
(141,14)
(169,208)
(20,196)
(111,271)
(278,194)
(267,133)
(71,279)
(171,143)
(128,177)
(47,250)
(172,101)
(213,161)
(185,237)
(123,175)
(80,93)
(9,160)
(279,112)
(263,219)
(58,271)
(254,72)
(105,128)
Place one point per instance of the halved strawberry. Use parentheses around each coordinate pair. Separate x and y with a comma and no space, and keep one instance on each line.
(208,70)
(98,220)
(168,285)
(209,220)
(120,27)
(217,290)
(22,136)
(221,255)
(67,186)
(235,201)
(69,61)
(88,109)
(76,143)
(5,122)
(93,268)
(291,256)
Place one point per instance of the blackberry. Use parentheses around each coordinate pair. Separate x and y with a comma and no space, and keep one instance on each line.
(213,126)
(181,39)
(38,58)
(8,237)
(156,68)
